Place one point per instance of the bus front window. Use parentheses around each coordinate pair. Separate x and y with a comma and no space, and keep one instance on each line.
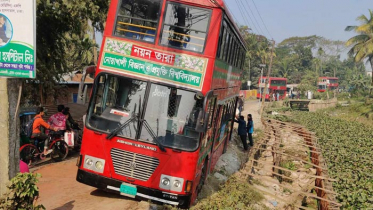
(115,101)
(172,114)
(185,27)
(138,19)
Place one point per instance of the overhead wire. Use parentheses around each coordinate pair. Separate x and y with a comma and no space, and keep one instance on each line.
(256,8)
(252,13)
(236,20)
(250,25)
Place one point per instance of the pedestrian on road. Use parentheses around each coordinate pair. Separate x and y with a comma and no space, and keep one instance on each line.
(278,96)
(250,129)
(242,130)
(273,96)
(240,104)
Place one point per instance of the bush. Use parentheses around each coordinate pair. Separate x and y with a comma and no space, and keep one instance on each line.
(321,95)
(235,194)
(22,193)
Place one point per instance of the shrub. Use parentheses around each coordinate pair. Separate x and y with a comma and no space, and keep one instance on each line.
(235,194)
(22,193)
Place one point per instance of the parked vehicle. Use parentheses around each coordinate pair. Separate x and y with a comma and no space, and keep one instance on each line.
(327,83)
(32,152)
(165,93)
(275,84)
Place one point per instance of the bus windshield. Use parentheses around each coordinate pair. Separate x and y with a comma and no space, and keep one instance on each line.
(172,114)
(169,114)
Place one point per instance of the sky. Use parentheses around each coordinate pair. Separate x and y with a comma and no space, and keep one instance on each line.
(287,18)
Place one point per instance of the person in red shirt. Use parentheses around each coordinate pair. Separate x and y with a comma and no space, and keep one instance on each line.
(36,132)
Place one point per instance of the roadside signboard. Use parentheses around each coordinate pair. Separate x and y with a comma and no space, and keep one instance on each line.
(17,38)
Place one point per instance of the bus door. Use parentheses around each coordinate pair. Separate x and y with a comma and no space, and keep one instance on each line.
(207,140)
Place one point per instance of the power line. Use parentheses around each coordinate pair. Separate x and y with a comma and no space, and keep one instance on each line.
(245,42)
(244,16)
(252,13)
(262,19)
(234,17)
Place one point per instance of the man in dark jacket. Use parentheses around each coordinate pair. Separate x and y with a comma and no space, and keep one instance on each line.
(242,130)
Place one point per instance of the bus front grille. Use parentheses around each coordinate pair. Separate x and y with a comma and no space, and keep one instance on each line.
(133,165)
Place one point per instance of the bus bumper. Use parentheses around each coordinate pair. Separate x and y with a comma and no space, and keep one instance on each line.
(143,193)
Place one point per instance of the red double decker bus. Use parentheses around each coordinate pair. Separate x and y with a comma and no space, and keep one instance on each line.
(327,83)
(275,85)
(165,92)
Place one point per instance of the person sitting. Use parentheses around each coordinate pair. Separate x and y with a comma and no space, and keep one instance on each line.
(58,120)
(70,122)
(36,132)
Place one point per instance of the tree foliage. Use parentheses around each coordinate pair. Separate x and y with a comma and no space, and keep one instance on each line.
(362,44)
(22,193)
(64,41)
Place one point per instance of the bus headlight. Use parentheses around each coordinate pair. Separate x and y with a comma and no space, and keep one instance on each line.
(99,165)
(177,183)
(94,164)
(165,181)
(89,162)
(171,183)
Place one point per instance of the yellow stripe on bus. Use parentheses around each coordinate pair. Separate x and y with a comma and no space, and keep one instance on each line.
(186,35)
(140,26)
(120,29)
(184,42)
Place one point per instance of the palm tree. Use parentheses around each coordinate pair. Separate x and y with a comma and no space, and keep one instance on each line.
(284,67)
(362,44)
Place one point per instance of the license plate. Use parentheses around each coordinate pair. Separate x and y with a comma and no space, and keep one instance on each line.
(128,190)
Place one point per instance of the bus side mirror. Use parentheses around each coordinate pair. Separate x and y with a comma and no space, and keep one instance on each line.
(202,122)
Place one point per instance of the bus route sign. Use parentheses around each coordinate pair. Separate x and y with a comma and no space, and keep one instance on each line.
(17,38)
(181,69)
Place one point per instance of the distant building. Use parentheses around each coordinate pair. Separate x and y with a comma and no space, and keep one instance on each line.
(369,73)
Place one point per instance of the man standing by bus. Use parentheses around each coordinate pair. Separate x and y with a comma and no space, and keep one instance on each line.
(242,130)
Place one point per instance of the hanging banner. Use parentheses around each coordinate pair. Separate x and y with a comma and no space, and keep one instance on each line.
(17,38)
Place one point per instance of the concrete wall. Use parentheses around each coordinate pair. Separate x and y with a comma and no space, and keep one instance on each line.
(9,130)
(322,104)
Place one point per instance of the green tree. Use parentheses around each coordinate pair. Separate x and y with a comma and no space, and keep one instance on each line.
(362,44)
(63,44)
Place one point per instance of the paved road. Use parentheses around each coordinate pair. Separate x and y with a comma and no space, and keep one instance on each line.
(253,107)
(59,189)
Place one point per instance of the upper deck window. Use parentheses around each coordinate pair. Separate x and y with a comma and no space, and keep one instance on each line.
(138,19)
(278,82)
(185,27)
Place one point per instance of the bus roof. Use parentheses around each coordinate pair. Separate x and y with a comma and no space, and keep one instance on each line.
(328,77)
(275,78)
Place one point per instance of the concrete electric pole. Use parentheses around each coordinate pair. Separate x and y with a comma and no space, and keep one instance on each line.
(267,80)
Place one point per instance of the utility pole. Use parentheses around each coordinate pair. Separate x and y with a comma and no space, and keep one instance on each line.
(260,79)
(266,82)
